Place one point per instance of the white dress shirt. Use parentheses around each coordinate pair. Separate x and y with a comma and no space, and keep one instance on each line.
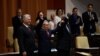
(25,25)
(57,20)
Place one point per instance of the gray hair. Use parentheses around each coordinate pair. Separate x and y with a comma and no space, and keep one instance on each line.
(45,22)
(25,16)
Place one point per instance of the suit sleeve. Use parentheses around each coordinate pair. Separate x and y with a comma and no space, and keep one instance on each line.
(14,22)
(84,18)
(21,40)
(96,18)
(81,21)
(60,26)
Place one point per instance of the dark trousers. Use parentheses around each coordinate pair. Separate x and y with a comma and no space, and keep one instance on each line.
(63,52)
(29,53)
(44,54)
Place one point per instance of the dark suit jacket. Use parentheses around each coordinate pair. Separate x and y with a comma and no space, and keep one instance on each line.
(44,41)
(16,22)
(26,39)
(63,37)
(75,27)
(89,23)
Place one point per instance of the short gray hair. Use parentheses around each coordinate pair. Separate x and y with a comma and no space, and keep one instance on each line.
(45,22)
(25,16)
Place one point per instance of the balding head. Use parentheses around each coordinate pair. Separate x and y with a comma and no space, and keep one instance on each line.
(26,16)
(27,19)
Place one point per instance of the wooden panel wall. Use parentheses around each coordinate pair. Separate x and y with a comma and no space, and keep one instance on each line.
(2,25)
(8,10)
(55,4)
(33,6)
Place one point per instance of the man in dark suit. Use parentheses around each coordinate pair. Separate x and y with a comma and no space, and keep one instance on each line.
(89,19)
(44,44)
(17,22)
(63,38)
(26,35)
(75,22)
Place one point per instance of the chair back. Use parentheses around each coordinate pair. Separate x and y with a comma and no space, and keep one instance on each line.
(82,42)
(10,35)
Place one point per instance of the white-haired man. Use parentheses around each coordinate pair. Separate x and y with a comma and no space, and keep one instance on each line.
(44,44)
(26,36)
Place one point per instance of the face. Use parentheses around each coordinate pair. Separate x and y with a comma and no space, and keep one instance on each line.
(27,20)
(19,12)
(90,8)
(60,12)
(41,14)
(52,17)
(75,11)
(46,26)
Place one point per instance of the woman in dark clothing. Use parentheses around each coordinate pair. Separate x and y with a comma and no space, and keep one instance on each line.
(39,21)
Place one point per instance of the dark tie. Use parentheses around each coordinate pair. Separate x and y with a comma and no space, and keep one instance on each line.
(29,29)
(47,34)
(90,15)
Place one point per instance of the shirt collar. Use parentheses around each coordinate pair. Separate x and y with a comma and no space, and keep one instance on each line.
(25,25)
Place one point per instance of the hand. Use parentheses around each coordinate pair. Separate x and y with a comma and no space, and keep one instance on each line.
(62,21)
(37,22)
(24,53)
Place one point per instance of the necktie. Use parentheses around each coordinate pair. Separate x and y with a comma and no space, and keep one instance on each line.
(29,28)
(91,17)
(47,34)
(90,14)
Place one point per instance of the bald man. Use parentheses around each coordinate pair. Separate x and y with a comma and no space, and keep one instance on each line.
(26,35)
